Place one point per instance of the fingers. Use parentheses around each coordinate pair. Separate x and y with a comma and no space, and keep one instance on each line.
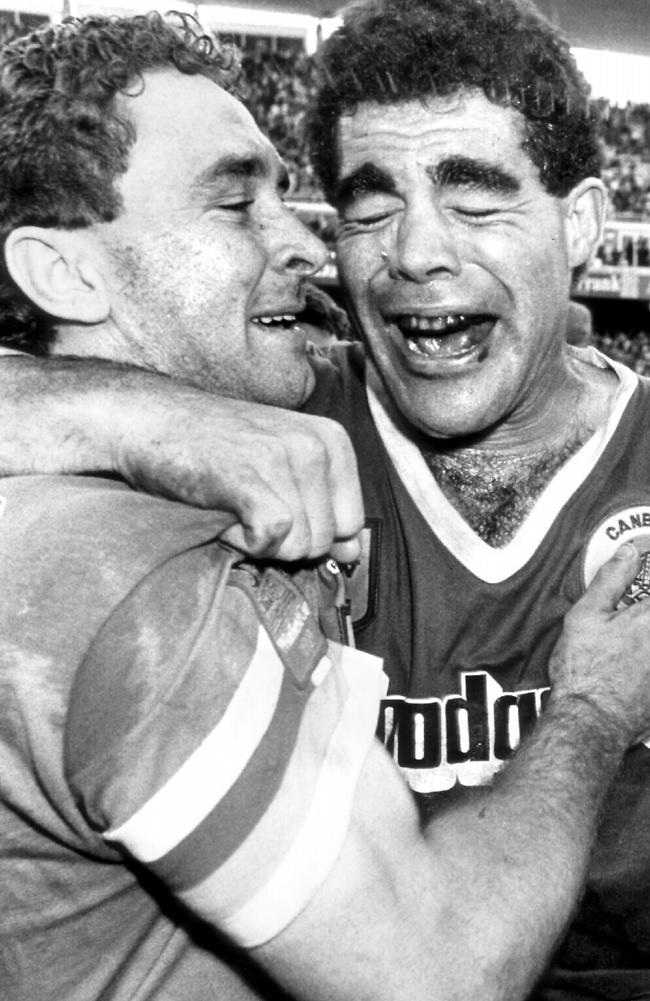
(290,479)
(347,502)
(306,502)
(346,551)
(327,506)
(612,580)
(261,531)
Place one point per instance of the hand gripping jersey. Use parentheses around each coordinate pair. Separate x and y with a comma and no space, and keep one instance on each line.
(467,631)
(178,740)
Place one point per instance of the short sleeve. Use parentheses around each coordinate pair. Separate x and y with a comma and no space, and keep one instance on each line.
(215,737)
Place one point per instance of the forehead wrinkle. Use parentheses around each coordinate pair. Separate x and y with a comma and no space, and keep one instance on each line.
(470,172)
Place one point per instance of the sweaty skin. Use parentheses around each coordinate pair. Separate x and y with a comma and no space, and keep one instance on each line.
(457,264)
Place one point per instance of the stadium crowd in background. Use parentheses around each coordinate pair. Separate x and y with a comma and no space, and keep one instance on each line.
(279,89)
(630,347)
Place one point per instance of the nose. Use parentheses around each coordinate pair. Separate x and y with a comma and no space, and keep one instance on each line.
(425,247)
(294,247)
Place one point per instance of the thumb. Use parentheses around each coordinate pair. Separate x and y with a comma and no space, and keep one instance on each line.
(613,579)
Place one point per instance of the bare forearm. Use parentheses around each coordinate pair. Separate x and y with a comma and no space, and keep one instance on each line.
(517,854)
(55,415)
(289,479)
(474,906)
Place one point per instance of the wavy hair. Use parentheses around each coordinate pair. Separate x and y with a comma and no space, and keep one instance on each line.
(389,51)
(62,143)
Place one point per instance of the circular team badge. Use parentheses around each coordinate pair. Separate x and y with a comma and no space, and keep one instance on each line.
(630,524)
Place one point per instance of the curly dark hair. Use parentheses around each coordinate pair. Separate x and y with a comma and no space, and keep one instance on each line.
(389,51)
(62,143)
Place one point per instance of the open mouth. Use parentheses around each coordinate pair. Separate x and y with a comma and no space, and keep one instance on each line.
(284,320)
(444,335)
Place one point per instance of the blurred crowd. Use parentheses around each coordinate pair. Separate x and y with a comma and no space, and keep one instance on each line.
(279,85)
(631,347)
(626,142)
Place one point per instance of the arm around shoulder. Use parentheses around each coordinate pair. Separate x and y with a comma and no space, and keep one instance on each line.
(291,479)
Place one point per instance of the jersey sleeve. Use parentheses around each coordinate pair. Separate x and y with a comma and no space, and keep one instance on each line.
(216,737)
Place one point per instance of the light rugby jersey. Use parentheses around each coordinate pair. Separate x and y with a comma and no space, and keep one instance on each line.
(174,727)
(227,759)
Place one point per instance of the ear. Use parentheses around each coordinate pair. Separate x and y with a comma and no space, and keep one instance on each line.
(585,213)
(54,269)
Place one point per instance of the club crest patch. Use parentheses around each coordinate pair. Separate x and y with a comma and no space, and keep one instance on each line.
(630,524)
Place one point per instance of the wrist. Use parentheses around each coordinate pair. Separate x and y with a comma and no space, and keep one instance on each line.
(591,722)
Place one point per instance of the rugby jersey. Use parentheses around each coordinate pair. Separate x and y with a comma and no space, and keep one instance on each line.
(467,632)
(175,730)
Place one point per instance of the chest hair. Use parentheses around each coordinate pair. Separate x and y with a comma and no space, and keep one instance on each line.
(495,493)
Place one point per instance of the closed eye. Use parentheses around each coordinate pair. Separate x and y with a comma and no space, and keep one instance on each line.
(239,206)
(476,213)
(374,214)
(368,220)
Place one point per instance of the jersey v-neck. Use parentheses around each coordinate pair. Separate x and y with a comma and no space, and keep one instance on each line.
(487,563)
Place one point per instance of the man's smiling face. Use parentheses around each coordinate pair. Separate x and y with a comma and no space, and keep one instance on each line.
(205,266)
(456,260)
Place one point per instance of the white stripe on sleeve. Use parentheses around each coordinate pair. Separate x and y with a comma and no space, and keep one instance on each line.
(193,791)
(321,836)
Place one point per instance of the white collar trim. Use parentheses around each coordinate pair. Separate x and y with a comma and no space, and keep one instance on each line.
(485,562)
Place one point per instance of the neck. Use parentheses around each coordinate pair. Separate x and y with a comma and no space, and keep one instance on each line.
(494,480)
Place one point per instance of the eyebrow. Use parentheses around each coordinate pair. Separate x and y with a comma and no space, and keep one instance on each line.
(235,166)
(466,172)
(452,172)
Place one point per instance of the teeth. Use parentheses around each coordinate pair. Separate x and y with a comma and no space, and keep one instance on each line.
(268,320)
(432,324)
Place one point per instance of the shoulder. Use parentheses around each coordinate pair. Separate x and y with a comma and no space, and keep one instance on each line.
(72,548)
(75,517)
(216,737)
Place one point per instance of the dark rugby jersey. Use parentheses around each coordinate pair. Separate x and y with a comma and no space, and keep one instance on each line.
(467,631)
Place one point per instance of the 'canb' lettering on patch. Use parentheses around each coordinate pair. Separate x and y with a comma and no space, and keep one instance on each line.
(630,524)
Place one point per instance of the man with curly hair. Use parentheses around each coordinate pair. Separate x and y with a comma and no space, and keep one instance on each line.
(180,748)
(499,465)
